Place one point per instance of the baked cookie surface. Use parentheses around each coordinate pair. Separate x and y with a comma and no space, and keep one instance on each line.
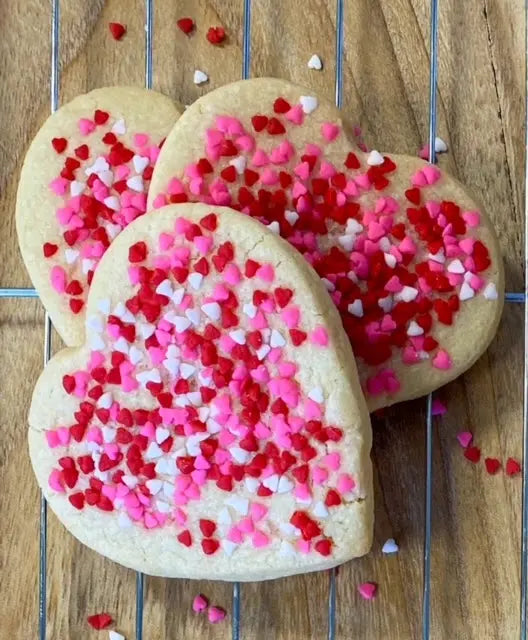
(212,425)
(84,178)
(410,261)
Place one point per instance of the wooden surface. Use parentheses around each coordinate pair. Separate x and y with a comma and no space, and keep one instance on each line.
(475,561)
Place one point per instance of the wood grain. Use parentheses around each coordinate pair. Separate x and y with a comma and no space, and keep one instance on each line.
(476,517)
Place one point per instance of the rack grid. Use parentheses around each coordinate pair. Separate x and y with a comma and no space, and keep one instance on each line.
(511,297)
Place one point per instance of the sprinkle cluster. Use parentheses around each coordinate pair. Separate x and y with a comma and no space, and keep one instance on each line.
(221,408)
(395,264)
(100,189)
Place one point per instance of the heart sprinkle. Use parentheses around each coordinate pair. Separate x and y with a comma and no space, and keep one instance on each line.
(368,590)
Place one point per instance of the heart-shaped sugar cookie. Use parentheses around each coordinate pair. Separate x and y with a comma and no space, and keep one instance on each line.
(212,425)
(411,263)
(85,177)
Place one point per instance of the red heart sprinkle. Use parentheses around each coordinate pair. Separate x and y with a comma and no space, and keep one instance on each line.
(209,546)
(76,305)
(207,527)
(185,538)
(472,454)
(297,336)
(259,122)
(492,465)
(49,249)
(283,296)
(413,195)
(117,30)
(100,621)
(281,106)
(186,25)
(209,221)
(100,117)
(512,467)
(137,252)
(59,144)
(324,547)
(275,127)
(216,35)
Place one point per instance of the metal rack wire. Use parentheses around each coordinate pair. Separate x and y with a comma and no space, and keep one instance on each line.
(521,297)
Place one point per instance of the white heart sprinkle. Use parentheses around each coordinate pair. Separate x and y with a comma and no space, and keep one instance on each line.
(456,266)
(187,370)
(135,355)
(347,241)
(308,103)
(172,365)
(76,188)
(490,292)
(153,451)
(316,394)
(162,466)
(466,292)
(288,529)
(384,244)
(330,286)
(113,229)
(439,256)
(154,486)
(390,546)
(119,127)
(212,310)
(315,63)
(121,345)
(136,184)
(194,316)
(109,434)
(251,484)
(440,145)
(87,265)
(263,351)
(181,324)
(407,294)
(239,163)
(161,434)
(277,339)
(285,485)
(105,401)
(177,296)
(151,375)
(414,329)
(375,158)
(213,426)
(353,226)
(200,77)
(195,280)
(164,288)
(163,507)
(239,454)
(140,163)
(146,330)
(386,303)
(250,310)
(271,482)
(274,227)
(238,336)
(320,510)
(390,260)
(356,308)
(71,255)
(291,216)
(168,489)
(106,177)
(113,635)
(112,202)
(195,398)
(100,164)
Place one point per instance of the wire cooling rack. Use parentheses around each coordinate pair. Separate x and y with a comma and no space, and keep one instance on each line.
(520,297)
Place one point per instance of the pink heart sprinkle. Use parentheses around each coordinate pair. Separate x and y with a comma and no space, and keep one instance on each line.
(216,614)
(86,126)
(368,590)
(329,131)
(200,603)
(465,438)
